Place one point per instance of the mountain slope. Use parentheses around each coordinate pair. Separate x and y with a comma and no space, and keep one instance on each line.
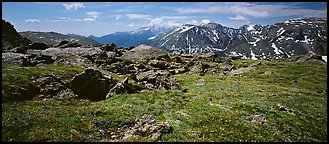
(132,38)
(53,38)
(10,37)
(280,40)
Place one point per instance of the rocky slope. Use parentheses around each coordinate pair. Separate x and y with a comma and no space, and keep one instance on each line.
(53,38)
(10,37)
(280,40)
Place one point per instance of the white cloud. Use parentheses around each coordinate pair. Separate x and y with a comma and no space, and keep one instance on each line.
(131,25)
(137,16)
(166,23)
(32,21)
(169,21)
(253,10)
(194,22)
(117,17)
(93,14)
(238,17)
(205,21)
(89,19)
(73,6)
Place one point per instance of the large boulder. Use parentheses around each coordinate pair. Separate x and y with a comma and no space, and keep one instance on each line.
(91,84)
(74,56)
(39,46)
(66,44)
(14,58)
(149,76)
(144,53)
(242,70)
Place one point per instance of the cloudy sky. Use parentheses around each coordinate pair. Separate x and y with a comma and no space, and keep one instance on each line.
(101,18)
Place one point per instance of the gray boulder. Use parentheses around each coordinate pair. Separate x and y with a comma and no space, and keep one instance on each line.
(14,58)
(242,70)
(92,85)
(144,53)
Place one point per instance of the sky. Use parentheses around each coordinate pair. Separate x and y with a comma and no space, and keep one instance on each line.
(102,18)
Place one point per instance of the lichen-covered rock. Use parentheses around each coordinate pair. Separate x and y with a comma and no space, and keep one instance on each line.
(144,127)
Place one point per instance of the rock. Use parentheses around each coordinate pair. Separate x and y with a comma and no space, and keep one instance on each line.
(144,53)
(49,86)
(306,57)
(187,55)
(108,47)
(242,70)
(149,76)
(255,64)
(269,72)
(283,108)
(159,64)
(177,59)
(200,82)
(196,68)
(21,49)
(39,46)
(209,56)
(120,67)
(256,119)
(178,71)
(71,44)
(103,58)
(62,43)
(119,88)
(19,93)
(11,38)
(166,83)
(145,127)
(110,55)
(74,56)
(91,84)
(14,58)
(65,94)
(149,86)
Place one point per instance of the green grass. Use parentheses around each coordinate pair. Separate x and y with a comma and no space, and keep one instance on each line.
(215,111)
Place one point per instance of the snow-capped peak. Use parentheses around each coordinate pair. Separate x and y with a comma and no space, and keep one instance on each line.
(250,28)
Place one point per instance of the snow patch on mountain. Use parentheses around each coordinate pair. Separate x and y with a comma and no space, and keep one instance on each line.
(152,37)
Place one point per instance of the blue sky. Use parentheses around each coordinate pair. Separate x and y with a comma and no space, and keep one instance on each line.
(101,18)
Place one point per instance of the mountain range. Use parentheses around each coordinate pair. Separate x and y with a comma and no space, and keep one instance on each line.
(280,40)
(140,36)
(53,38)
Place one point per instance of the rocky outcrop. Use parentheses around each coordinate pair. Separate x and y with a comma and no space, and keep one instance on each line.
(144,127)
(92,84)
(144,53)
(10,38)
(14,58)
(66,44)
